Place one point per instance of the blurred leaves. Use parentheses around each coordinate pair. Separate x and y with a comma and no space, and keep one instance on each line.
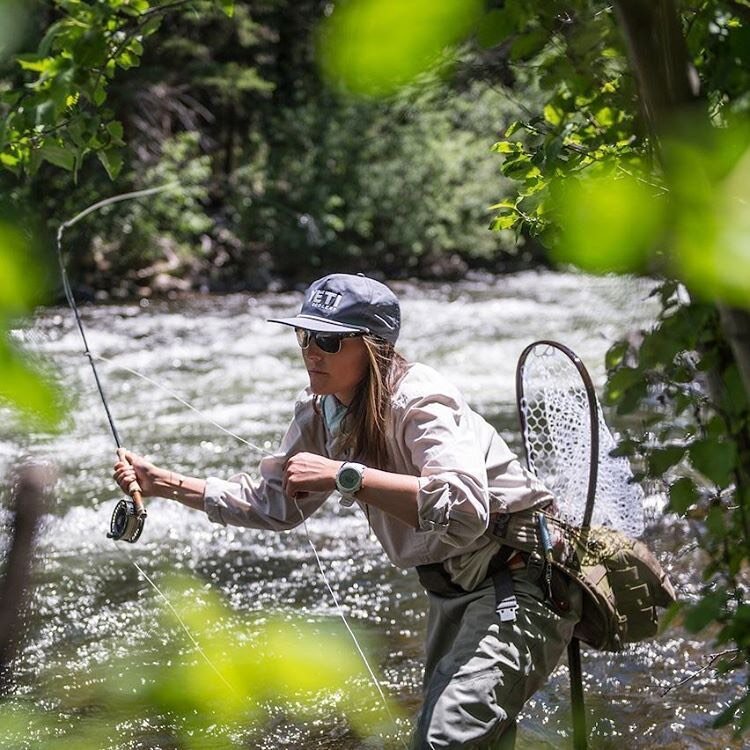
(608,223)
(210,686)
(22,287)
(695,227)
(375,47)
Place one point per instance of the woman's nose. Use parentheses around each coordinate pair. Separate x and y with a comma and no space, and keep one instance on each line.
(313,352)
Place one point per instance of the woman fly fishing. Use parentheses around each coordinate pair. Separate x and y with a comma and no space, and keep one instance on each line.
(400,441)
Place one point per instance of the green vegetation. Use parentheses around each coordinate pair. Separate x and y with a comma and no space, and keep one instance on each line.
(281,177)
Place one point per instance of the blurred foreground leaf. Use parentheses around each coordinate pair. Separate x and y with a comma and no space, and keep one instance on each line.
(609,223)
(22,287)
(222,681)
(696,228)
(373,47)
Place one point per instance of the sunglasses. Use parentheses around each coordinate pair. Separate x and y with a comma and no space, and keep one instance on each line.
(330,343)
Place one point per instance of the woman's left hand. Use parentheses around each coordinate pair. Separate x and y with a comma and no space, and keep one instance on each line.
(309,472)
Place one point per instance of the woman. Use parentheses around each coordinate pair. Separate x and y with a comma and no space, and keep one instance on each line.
(400,441)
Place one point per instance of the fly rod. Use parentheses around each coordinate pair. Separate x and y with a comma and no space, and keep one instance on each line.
(129,515)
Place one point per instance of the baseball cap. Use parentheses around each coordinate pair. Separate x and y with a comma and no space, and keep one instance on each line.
(348,303)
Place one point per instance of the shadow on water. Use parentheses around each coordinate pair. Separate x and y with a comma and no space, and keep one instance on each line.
(220,355)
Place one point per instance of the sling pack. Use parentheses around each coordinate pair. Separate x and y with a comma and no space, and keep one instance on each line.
(621,580)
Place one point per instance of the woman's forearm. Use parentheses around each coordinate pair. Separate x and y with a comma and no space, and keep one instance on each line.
(395,494)
(186,490)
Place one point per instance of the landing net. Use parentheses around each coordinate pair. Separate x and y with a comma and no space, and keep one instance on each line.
(567,440)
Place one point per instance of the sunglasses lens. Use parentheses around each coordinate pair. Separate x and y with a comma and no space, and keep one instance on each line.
(328,343)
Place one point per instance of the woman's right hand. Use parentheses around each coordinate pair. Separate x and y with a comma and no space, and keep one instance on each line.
(134,468)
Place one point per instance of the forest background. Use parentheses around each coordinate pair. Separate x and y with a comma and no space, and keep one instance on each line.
(623,131)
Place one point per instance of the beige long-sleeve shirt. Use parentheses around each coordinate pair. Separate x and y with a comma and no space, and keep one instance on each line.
(466,471)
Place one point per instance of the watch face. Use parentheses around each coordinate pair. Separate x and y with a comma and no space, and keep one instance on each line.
(350,479)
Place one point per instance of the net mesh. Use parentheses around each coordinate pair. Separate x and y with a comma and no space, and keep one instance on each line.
(558,445)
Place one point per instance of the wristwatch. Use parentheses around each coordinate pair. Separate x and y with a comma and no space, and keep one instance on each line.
(349,481)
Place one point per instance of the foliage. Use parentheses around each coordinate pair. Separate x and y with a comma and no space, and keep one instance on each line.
(294,176)
(210,686)
(55,110)
(22,285)
(374,47)
(400,205)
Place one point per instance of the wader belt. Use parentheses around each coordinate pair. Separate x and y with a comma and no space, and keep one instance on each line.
(516,532)
(436,579)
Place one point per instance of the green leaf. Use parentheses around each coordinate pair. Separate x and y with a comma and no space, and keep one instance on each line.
(529,44)
(608,224)
(507,147)
(100,94)
(661,459)
(620,380)
(115,130)
(553,114)
(375,47)
(706,611)
(58,155)
(111,160)
(682,494)
(512,128)
(715,459)
(227,6)
(26,390)
(616,354)
(495,27)
(37,64)
(504,222)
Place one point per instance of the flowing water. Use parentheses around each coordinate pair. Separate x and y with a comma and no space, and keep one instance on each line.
(91,609)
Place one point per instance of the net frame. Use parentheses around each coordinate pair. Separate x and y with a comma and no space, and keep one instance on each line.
(568,444)
(532,456)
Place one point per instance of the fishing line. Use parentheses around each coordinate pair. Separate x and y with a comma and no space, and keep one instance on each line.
(324,577)
(128,518)
(340,609)
(179,398)
(180,620)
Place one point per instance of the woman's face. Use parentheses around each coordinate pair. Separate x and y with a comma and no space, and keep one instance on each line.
(338,373)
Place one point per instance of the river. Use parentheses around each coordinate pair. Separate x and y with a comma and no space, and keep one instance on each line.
(91,608)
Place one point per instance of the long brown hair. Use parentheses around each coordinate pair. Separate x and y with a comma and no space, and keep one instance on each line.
(363,435)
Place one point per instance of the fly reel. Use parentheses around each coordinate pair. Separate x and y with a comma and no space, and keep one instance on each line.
(127,523)
(129,514)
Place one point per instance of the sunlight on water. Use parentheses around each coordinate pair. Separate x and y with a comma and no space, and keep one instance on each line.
(219,354)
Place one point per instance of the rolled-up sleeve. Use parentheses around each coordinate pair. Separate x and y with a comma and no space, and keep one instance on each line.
(261,503)
(453,499)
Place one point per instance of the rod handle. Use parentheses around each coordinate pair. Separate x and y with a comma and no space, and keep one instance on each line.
(134,489)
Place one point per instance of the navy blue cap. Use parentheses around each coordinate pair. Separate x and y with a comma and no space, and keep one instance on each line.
(346,303)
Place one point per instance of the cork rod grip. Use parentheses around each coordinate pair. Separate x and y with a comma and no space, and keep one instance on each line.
(134,489)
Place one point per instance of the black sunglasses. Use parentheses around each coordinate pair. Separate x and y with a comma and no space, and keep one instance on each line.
(330,343)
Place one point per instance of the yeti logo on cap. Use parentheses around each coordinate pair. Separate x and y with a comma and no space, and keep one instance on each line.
(326,300)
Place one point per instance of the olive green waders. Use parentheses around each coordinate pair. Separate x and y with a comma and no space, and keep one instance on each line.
(481,668)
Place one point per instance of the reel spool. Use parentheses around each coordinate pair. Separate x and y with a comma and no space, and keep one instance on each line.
(127,523)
